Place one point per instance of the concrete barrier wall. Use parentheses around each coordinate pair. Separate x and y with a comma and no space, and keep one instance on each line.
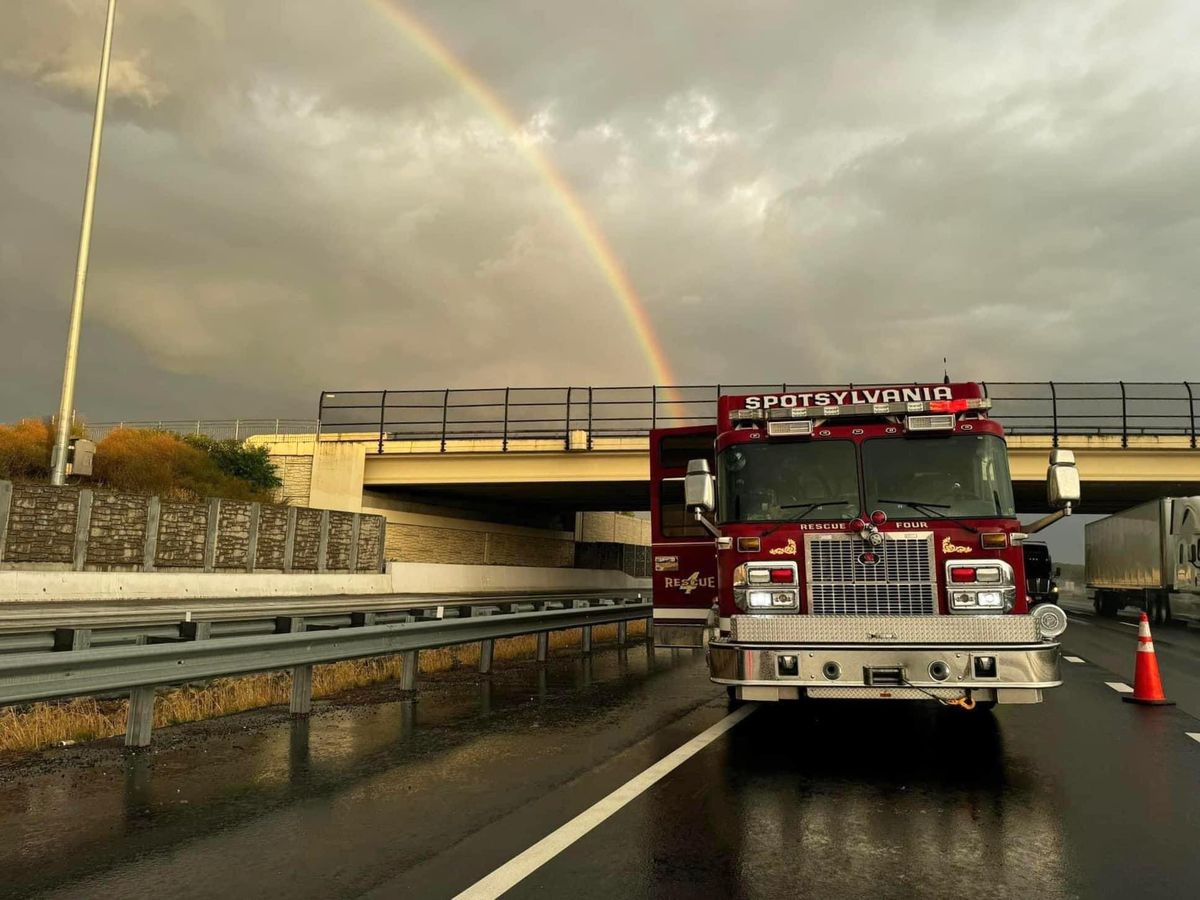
(434,578)
(83,529)
(399,578)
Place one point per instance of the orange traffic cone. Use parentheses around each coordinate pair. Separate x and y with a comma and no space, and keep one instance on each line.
(1147,684)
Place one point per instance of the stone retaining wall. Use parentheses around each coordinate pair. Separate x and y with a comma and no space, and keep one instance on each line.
(47,527)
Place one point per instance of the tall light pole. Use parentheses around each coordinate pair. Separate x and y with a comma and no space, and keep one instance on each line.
(66,403)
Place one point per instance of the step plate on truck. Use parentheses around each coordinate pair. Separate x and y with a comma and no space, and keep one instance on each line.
(796,629)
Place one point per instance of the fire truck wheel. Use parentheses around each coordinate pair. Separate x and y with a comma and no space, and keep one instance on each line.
(733,697)
(982,706)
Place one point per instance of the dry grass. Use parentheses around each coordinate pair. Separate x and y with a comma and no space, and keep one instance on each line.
(40,725)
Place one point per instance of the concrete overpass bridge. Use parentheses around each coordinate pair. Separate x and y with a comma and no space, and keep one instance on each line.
(586,448)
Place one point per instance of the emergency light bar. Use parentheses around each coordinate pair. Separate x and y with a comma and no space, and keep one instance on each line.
(790,428)
(973,404)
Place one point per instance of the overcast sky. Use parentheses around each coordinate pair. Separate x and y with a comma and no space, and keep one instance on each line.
(293,195)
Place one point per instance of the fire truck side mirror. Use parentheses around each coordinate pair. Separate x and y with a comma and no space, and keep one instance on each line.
(699,489)
(1062,480)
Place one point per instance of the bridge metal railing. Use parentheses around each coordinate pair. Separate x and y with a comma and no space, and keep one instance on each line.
(577,416)
(220,429)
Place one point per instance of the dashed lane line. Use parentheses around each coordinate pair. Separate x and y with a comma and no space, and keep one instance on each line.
(1120,687)
(1075,659)
(1128,624)
(524,864)
(1195,736)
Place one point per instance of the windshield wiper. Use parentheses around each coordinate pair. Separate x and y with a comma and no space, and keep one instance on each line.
(807,507)
(810,507)
(932,509)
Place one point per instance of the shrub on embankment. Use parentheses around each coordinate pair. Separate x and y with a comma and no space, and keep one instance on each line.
(148,461)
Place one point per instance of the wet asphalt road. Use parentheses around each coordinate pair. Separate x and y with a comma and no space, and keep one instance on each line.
(1082,796)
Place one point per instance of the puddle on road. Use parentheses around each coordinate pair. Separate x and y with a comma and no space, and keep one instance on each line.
(73,811)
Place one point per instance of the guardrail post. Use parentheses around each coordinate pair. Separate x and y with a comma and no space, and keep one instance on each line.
(252,539)
(72,638)
(323,543)
(5,506)
(83,524)
(363,619)
(140,720)
(289,541)
(487,648)
(410,660)
(622,633)
(210,534)
(653,406)
(301,702)
(543,646)
(589,433)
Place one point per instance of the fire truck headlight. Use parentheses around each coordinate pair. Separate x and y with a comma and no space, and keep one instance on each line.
(760,599)
(989,600)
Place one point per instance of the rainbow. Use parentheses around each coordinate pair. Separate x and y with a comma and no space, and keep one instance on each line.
(581,220)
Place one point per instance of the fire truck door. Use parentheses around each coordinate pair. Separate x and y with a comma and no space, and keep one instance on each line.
(684,561)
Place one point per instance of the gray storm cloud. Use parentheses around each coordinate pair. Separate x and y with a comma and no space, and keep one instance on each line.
(295,196)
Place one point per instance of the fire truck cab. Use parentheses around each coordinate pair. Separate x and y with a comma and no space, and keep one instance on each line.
(853,543)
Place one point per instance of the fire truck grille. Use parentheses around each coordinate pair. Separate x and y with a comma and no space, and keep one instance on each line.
(901,583)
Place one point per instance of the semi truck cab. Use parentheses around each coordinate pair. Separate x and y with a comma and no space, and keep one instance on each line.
(853,543)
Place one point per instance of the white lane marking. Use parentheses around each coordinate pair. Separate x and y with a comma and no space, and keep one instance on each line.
(1074,659)
(1128,624)
(1078,621)
(524,864)
(1120,687)
(1193,735)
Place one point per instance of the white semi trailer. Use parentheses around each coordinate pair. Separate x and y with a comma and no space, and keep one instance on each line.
(1147,557)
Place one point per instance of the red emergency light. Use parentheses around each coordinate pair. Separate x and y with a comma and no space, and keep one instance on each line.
(781,576)
(948,406)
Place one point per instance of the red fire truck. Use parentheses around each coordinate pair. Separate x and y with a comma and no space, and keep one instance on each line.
(853,543)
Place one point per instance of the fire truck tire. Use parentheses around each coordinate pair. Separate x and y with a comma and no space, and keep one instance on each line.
(982,706)
(733,697)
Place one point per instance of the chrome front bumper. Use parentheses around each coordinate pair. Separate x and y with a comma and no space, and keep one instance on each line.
(887,657)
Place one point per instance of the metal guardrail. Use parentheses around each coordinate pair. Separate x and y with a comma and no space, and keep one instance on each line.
(45,630)
(192,654)
(219,429)
(576,416)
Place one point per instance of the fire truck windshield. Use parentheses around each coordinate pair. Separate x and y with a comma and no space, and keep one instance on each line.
(959,476)
(788,482)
